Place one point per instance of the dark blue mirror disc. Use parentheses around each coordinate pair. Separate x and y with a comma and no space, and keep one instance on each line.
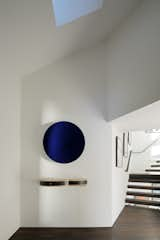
(63,142)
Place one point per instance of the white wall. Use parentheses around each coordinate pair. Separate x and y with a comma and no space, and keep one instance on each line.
(73,90)
(9,156)
(132,82)
(132,62)
(140,140)
(140,162)
(119,177)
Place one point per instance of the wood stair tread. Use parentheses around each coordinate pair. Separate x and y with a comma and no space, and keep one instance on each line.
(143,194)
(152,170)
(155,165)
(142,175)
(143,187)
(143,202)
(145,180)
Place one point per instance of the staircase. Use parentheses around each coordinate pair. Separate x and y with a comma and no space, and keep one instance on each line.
(144,189)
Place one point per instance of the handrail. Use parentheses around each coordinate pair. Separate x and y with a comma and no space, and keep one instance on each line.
(142,151)
(150,145)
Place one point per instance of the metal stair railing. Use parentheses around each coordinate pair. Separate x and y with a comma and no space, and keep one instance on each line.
(139,152)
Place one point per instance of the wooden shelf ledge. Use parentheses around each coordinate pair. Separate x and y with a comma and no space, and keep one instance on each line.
(62,182)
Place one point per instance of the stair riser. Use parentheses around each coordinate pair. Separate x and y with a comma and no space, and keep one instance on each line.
(143,206)
(138,194)
(144,187)
(144,176)
(145,180)
(149,203)
(152,170)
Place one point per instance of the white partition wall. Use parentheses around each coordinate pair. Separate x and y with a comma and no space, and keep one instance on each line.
(9,156)
(70,90)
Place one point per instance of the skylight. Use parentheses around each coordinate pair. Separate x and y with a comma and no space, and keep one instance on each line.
(66,11)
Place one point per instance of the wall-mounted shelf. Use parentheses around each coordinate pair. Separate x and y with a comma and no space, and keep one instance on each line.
(53,182)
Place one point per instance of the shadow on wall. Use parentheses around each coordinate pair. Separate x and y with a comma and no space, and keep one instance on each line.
(68,91)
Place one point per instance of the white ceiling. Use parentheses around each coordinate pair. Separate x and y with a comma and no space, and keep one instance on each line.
(30,39)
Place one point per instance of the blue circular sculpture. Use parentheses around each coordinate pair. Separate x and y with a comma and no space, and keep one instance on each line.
(63,142)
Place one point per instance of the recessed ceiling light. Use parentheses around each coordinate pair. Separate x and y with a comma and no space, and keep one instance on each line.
(66,11)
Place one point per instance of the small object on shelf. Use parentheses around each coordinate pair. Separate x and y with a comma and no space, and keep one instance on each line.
(50,183)
(53,182)
(77,182)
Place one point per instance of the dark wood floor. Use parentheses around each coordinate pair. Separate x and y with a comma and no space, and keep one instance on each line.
(133,224)
(137,224)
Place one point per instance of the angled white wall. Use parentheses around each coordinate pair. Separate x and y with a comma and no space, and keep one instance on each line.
(132,82)
(132,62)
(9,155)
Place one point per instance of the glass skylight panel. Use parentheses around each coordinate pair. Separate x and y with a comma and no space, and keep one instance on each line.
(66,11)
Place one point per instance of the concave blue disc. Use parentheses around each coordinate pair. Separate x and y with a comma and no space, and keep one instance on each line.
(63,142)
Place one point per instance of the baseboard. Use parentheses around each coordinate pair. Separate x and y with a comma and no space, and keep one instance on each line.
(58,228)
(118,216)
(14,234)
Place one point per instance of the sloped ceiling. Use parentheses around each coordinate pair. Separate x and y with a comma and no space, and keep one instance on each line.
(30,39)
(141,119)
